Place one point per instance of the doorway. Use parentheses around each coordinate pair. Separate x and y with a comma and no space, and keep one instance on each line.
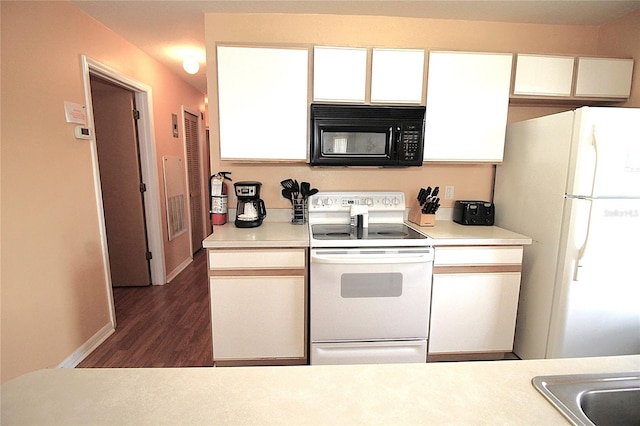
(149,171)
(118,150)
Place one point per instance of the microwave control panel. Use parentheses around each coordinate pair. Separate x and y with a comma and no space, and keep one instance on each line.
(410,144)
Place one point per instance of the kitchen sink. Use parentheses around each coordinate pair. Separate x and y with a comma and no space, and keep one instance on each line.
(594,399)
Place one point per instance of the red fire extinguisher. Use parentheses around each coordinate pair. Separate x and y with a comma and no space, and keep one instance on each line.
(219,201)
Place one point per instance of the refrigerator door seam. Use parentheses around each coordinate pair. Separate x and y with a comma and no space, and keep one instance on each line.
(594,142)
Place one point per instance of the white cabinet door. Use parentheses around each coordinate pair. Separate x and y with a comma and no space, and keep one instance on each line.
(467,102)
(473,312)
(262,96)
(258,317)
(604,77)
(541,75)
(397,75)
(339,74)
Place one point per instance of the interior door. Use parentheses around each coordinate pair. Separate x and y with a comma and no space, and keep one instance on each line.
(121,183)
(195,180)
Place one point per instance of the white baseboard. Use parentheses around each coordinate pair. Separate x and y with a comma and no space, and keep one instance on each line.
(179,269)
(89,346)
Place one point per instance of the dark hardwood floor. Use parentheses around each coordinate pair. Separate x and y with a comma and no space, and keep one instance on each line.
(161,326)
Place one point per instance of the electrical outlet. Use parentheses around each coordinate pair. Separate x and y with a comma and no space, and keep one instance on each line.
(448,192)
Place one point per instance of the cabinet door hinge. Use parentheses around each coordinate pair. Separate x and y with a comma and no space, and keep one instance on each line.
(143,187)
(149,256)
(136,114)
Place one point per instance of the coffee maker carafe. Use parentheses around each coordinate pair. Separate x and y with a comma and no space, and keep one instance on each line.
(251,209)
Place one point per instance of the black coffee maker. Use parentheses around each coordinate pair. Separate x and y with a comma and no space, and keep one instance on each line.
(251,209)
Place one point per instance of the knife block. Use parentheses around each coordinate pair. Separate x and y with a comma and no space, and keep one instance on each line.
(416,216)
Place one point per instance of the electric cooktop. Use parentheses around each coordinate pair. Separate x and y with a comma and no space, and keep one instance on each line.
(382,235)
(331,215)
(374,231)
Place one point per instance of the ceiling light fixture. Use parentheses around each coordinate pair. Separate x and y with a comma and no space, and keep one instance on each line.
(190,65)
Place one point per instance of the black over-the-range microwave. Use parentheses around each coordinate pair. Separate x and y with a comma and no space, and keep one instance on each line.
(366,135)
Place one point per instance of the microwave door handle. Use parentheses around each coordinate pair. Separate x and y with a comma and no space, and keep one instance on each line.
(395,138)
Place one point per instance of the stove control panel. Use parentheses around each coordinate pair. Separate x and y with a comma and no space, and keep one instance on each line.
(342,201)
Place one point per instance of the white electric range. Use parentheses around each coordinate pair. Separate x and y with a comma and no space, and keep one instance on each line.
(370,280)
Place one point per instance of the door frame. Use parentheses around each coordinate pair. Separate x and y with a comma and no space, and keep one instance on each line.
(148,162)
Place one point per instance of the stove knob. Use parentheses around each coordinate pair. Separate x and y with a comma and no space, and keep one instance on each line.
(396,201)
(385,201)
(368,201)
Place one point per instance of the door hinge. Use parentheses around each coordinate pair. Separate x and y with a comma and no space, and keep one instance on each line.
(136,114)
(149,255)
(143,187)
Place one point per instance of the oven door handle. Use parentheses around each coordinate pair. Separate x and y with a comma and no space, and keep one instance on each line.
(371,259)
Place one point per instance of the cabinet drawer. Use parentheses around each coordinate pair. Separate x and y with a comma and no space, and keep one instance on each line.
(257,259)
(506,255)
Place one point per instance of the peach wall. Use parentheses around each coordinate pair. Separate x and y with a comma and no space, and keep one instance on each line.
(470,181)
(54,295)
(622,38)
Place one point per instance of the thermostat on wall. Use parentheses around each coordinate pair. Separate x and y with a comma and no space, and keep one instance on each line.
(82,132)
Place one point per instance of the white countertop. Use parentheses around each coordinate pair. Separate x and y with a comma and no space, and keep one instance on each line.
(449,233)
(272,233)
(474,393)
(277,231)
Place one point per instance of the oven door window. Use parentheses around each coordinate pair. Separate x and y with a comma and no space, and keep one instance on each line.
(368,143)
(371,285)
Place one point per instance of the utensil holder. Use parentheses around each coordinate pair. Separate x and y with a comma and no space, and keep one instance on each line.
(299,212)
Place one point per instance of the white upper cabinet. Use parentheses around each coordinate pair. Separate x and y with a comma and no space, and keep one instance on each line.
(604,77)
(339,74)
(397,75)
(263,102)
(541,75)
(467,103)
(582,80)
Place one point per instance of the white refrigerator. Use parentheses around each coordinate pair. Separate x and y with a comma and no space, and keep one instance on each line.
(571,181)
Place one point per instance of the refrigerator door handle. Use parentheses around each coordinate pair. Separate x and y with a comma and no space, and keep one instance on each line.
(583,248)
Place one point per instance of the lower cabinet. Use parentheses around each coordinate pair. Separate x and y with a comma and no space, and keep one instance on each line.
(258,306)
(474,301)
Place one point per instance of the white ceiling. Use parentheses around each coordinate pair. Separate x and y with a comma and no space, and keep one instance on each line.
(166,29)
